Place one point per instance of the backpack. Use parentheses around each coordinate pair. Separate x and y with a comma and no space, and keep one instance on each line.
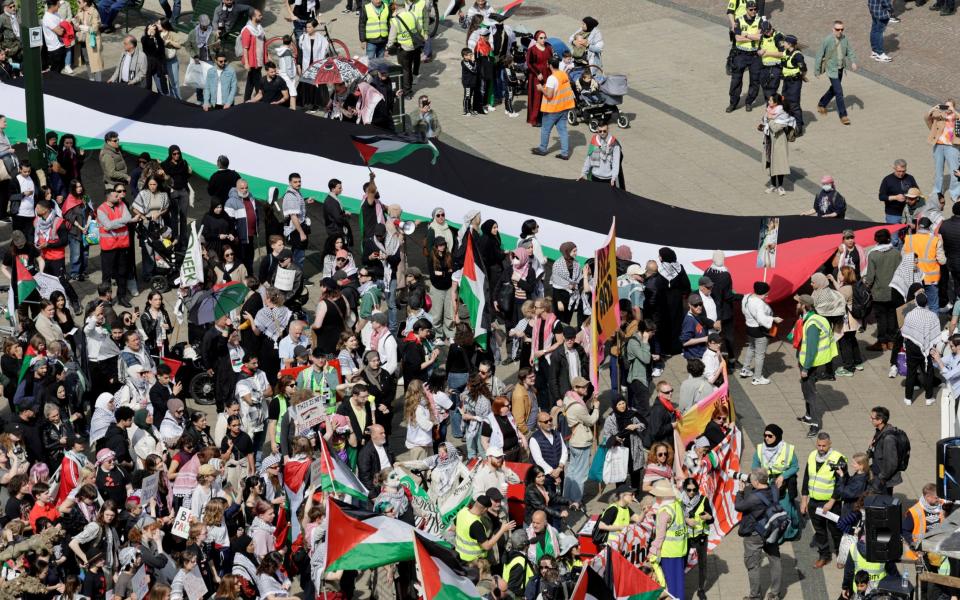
(862,301)
(903,447)
(772,526)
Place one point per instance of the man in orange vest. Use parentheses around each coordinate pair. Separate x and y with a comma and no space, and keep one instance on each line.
(928,248)
(114,220)
(50,234)
(556,103)
(926,513)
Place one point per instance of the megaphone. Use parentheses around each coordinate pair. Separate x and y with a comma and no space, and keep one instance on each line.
(407,227)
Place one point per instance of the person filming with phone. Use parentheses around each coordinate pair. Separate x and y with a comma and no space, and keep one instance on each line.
(945,139)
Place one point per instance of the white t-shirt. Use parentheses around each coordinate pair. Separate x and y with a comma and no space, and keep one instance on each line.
(50,38)
(552,83)
(28,202)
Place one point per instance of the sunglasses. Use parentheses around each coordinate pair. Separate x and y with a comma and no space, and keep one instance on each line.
(545,422)
(768,435)
(838,28)
(662,454)
(691,490)
(666,392)
(228,253)
(441,215)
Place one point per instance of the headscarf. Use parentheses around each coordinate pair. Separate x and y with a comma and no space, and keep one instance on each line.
(718,259)
(445,470)
(770,450)
(565,249)
(624,418)
(522,255)
(102,417)
(441,231)
(104,455)
(690,503)
(537,34)
(467,219)
(173,405)
(244,563)
(491,246)
(819,280)
(373,375)
(135,379)
(667,263)
(591,23)
(140,420)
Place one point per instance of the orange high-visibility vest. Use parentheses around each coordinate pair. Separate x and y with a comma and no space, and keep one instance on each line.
(116,238)
(924,245)
(562,97)
(51,238)
(919,530)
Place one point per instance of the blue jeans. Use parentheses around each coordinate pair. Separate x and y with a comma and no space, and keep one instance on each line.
(615,378)
(933,296)
(175,13)
(299,255)
(68,59)
(428,47)
(173,74)
(376,50)
(577,470)
(945,158)
(109,9)
(893,220)
(835,91)
(392,305)
(558,120)
(876,34)
(78,256)
(299,26)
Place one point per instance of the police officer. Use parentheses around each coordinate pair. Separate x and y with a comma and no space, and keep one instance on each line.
(820,491)
(793,72)
(746,34)
(770,53)
(735,10)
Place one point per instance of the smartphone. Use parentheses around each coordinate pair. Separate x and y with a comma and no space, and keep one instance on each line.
(944,107)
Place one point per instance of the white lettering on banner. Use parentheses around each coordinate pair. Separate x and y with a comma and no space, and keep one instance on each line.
(191,271)
(149,487)
(181,524)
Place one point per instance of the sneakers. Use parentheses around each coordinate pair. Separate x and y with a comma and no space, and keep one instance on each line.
(657,372)
(67,70)
(512,115)
(814,430)
(930,401)
(781,191)
(845,120)
(822,109)
(858,367)
(893,20)
(893,372)
(805,419)
(538,151)
(744,373)
(491,108)
(842,372)
(769,189)
(908,401)
(760,381)
(880,57)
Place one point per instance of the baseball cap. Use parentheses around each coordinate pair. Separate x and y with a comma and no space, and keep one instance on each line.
(706,282)
(494,494)
(495,452)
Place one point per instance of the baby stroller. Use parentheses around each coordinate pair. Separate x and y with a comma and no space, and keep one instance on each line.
(599,103)
(166,261)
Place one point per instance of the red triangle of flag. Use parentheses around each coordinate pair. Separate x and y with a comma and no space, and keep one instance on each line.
(628,580)
(365,150)
(429,574)
(350,532)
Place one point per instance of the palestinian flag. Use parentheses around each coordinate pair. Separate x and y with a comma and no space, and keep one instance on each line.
(261,154)
(440,574)
(471,294)
(28,355)
(23,283)
(510,8)
(591,586)
(366,543)
(629,582)
(390,149)
(337,477)
(295,474)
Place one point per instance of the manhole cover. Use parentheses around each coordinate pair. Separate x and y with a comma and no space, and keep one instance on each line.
(530,11)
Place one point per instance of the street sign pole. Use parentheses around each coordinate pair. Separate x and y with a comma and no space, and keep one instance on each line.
(32,37)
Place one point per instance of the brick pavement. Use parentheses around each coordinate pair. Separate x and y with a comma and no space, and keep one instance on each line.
(683,149)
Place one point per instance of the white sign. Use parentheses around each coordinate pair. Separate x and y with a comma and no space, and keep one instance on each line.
(36,37)
(140,584)
(308,414)
(193,585)
(181,524)
(284,279)
(48,284)
(316,472)
(191,271)
(148,489)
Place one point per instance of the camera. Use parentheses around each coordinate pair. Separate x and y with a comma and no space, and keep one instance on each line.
(744,477)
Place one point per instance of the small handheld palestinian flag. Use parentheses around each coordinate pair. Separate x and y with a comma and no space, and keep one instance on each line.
(390,149)
(441,575)
(22,285)
(591,586)
(509,9)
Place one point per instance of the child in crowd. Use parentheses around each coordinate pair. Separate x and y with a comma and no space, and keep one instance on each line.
(469,79)
(567,63)
(513,83)
(287,67)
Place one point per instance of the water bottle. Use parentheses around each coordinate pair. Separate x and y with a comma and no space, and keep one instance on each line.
(905,580)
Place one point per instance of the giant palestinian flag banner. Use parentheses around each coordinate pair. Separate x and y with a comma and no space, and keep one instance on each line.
(258,140)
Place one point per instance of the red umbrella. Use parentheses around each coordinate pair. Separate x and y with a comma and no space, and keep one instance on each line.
(335,69)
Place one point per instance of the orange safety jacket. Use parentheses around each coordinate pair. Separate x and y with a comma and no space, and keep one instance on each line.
(562,97)
(114,238)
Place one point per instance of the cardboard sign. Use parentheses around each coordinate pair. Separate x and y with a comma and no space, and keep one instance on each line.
(316,471)
(149,487)
(181,524)
(140,584)
(284,280)
(308,414)
(193,586)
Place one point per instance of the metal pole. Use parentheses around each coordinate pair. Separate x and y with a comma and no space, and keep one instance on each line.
(32,39)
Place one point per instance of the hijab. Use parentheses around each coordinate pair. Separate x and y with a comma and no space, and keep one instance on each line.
(566,249)
(770,449)
(591,24)
(522,255)
(624,418)
(441,231)
(102,417)
(467,220)
(373,375)
(140,420)
(491,246)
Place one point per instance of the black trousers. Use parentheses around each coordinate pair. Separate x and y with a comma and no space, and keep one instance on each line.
(770,79)
(245,252)
(850,355)
(253,82)
(824,529)
(113,266)
(728,339)
(56,59)
(791,95)
(410,63)
(24,224)
(886,313)
(919,370)
(638,398)
(745,61)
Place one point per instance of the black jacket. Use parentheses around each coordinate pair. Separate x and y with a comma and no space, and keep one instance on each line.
(885,459)
(221,182)
(335,219)
(659,425)
(950,232)
(51,434)
(722,293)
(368,465)
(558,375)
(752,507)
(117,440)
(533,500)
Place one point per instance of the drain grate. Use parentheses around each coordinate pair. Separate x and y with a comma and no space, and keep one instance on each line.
(530,11)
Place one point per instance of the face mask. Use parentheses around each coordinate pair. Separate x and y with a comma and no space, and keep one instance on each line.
(826,188)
